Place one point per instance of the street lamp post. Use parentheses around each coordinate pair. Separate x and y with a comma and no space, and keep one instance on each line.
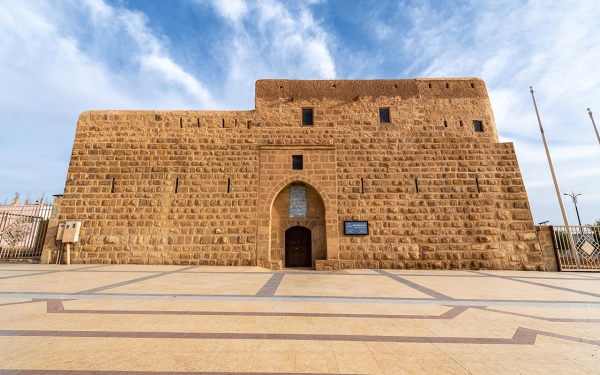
(574,199)
(594,123)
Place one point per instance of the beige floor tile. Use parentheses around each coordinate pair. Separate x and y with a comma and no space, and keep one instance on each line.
(275,361)
(66,282)
(355,358)
(548,355)
(197,283)
(322,361)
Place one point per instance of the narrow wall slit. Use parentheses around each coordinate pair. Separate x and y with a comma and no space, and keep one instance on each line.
(477,183)
(112,187)
(362,185)
(198,121)
(417,184)
(181,122)
(228,185)
(176,185)
(223,122)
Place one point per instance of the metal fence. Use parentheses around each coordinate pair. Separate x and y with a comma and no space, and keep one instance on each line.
(23,230)
(577,247)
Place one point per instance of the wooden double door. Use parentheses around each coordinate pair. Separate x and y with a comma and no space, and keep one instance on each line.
(298,247)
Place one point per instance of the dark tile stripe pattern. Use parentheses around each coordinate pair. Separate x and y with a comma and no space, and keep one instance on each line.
(420,288)
(263,336)
(28,275)
(17,303)
(78,372)
(334,299)
(123,283)
(46,272)
(56,306)
(271,286)
(519,280)
(523,336)
(558,320)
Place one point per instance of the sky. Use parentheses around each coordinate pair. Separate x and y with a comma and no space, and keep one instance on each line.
(60,58)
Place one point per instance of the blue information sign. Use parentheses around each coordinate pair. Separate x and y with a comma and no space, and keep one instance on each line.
(356,227)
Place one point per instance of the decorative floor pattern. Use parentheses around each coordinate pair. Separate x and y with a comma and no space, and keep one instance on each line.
(223,320)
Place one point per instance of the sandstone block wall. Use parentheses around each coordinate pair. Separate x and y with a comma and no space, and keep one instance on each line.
(203,187)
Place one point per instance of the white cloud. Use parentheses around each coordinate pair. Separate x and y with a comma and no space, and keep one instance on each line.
(382,31)
(233,10)
(550,45)
(60,58)
(51,71)
(274,40)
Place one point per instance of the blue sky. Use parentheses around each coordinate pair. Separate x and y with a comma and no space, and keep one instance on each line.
(60,58)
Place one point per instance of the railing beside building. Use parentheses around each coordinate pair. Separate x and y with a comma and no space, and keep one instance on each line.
(23,229)
(577,247)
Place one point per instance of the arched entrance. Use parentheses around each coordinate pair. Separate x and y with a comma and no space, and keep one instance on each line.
(298,247)
(297,221)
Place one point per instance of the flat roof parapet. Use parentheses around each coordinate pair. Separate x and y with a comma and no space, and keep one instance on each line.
(348,90)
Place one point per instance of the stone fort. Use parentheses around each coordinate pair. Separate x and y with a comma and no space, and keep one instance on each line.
(328,174)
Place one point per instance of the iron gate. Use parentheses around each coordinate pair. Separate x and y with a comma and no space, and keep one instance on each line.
(577,247)
(23,230)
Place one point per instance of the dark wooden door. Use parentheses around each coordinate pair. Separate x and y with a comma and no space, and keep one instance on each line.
(298,247)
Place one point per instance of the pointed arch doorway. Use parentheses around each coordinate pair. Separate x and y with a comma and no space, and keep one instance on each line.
(298,247)
(298,234)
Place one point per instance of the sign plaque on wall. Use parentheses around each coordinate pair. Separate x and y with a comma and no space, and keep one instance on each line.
(297,201)
(356,227)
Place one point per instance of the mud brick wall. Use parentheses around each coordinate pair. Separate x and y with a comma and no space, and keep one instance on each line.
(199,187)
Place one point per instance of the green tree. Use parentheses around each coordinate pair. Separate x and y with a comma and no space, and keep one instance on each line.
(562,240)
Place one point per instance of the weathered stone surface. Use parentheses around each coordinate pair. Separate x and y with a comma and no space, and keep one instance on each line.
(212,187)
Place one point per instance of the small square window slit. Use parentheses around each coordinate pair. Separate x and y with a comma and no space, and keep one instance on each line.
(384,115)
(307,116)
(297,162)
(478,125)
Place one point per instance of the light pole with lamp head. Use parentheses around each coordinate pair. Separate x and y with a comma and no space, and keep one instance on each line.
(574,199)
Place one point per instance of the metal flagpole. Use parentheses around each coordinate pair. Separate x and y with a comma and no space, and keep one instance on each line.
(594,123)
(560,202)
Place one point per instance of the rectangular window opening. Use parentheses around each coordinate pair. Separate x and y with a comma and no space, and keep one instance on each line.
(248,124)
(176,185)
(307,116)
(384,115)
(478,125)
(297,162)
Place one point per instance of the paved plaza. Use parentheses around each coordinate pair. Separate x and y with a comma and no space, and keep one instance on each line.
(106,319)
